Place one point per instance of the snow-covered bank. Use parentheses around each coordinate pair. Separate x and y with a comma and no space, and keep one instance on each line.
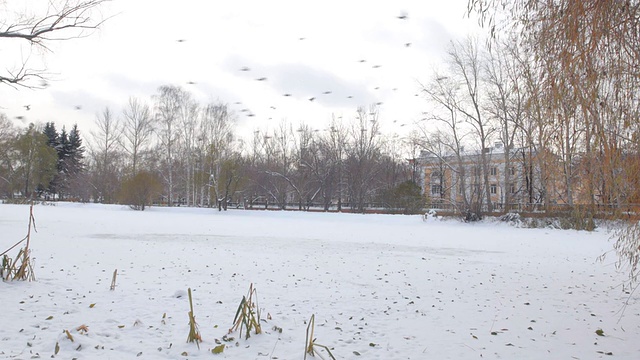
(381,286)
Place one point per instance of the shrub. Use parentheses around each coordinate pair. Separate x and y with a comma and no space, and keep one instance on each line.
(406,197)
(139,191)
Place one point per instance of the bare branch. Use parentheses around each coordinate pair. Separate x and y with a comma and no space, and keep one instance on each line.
(63,20)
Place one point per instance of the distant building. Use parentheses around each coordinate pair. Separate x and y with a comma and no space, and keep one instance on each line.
(450,178)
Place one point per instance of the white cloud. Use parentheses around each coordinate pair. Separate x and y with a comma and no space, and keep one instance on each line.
(137,50)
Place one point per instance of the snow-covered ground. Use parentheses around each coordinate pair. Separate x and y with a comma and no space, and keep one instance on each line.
(380,286)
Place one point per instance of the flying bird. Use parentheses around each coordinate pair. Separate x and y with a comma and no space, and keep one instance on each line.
(407,44)
(287,94)
(20,117)
(326,93)
(181,40)
(273,107)
(363,60)
(312,98)
(191,82)
(376,88)
(350,97)
(261,79)
(376,66)
(302,38)
(28,107)
(244,68)
(78,107)
(403,16)
(379,103)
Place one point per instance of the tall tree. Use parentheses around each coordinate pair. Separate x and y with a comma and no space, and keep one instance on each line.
(168,102)
(106,157)
(363,153)
(35,161)
(137,130)
(446,143)
(8,133)
(216,134)
(466,67)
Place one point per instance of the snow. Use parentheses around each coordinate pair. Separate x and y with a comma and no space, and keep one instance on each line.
(380,286)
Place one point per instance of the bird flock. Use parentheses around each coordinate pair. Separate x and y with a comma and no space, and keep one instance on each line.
(322,94)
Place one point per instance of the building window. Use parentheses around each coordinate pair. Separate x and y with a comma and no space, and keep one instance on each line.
(493,188)
(494,171)
(436,190)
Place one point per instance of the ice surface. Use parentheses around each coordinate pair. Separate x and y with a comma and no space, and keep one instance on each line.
(381,286)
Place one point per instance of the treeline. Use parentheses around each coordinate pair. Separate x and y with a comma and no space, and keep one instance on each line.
(568,119)
(175,151)
(39,162)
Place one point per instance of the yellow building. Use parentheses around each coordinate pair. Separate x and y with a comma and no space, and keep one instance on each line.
(456,181)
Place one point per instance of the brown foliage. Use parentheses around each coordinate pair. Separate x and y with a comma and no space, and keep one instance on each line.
(139,191)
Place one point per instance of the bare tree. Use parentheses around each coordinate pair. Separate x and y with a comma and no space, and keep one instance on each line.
(329,163)
(304,180)
(588,53)
(188,125)
(216,134)
(137,130)
(446,144)
(167,114)
(280,164)
(507,98)
(466,67)
(362,155)
(61,20)
(106,156)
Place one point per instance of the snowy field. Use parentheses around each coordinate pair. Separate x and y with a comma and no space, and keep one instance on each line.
(380,286)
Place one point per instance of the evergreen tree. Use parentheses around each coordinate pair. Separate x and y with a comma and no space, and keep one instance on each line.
(70,156)
(51,133)
(53,140)
(75,152)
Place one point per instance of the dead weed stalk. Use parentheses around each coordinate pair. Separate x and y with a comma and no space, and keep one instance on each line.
(20,268)
(248,315)
(310,341)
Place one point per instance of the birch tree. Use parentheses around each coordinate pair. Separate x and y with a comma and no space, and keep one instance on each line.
(137,131)
(106,156)
(167,107)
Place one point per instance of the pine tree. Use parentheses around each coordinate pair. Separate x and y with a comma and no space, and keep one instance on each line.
(70,156)
(75,152)
(52,141)
(51,133)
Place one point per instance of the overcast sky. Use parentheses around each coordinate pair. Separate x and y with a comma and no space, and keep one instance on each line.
(341,53)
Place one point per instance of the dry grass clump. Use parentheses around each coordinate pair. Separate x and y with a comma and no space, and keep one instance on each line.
(20,268)
(247,317)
